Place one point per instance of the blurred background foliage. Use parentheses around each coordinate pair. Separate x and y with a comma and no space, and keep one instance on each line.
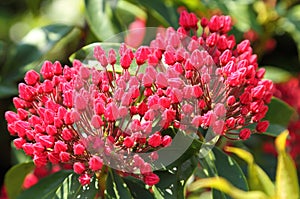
(34,30)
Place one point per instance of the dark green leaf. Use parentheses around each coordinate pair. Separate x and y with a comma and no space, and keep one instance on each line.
(277,75)
(137,188)
(116,187)
(217,163)
(71,188)
(173,180)
(14,178)
(101,18)
(32,48)
(279,113)
(165,14)
(7,90)
(47,187)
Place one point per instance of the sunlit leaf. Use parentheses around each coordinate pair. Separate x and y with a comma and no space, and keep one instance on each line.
(101,18)
(225,186)
(287,186)
(116,187)
(257,178)
(32,48)
(14,178)
(217,163)
(277,75)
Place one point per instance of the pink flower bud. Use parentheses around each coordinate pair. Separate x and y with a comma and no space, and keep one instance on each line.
(84,179)
(57,68)
(155,140)
(47,70)
(79,167)
(78,149)
(67,134)
(95,163)
(47,141)
(11,116)
(28,148)
(151,179)
(18,142)
(262,126)
(245,134)
(166,141)
(40,160)
(128,142)
(31,77)
(60,146)
(64,156)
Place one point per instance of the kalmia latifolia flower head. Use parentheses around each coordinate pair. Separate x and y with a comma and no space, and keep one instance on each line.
(124,107)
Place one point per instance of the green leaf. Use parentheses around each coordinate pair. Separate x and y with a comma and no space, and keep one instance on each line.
(32,48)
(116,187)
(164,13)
(62,184)
(101,18)
(286,175)
(257,178)
(279,112)
(277,75)
(137,188)
(217,163)
(71,188)
(225,186)
(172,181)
(291,24)
(14,178)
(7,90)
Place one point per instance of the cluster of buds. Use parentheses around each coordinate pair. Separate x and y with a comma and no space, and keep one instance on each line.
(125,106)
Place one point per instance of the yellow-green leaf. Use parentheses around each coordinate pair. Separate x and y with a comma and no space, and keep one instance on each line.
(287,186)
(226,187)
(257,178)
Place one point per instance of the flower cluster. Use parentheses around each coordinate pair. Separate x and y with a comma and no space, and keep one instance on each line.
(125,106)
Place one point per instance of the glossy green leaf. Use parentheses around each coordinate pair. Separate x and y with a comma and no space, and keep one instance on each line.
(277,75)
(164,13)
(32,48)
(217,163)
(116,188)
(257,178)
(225,186)
(287,186)
(173,180)
(14,178)
(101,18)
(279,112)
(71,188)
(137,188)
(48,187)
(291,24)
